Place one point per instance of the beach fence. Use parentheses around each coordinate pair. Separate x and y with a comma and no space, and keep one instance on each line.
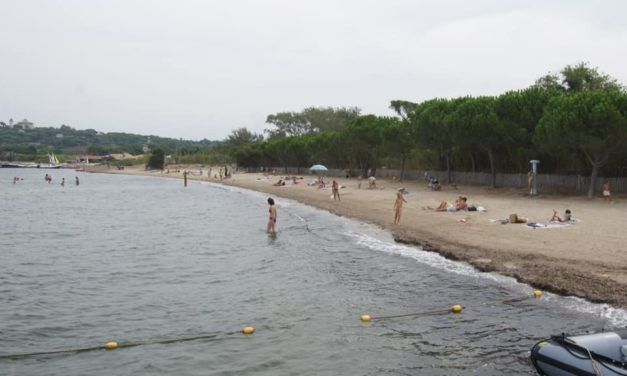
(547,183)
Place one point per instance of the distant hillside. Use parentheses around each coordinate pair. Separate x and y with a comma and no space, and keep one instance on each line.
(17,143)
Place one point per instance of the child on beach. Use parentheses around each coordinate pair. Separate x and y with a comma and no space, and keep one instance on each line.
(606,192)
(398,207)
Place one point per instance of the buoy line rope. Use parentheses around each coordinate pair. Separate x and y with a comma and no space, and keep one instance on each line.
(454,309)
(114,345)
(504,301)
(250,330)
(424,313)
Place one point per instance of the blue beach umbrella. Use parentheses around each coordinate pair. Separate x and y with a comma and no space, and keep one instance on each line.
(318,168)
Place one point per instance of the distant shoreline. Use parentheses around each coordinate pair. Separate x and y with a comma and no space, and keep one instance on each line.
(585,259)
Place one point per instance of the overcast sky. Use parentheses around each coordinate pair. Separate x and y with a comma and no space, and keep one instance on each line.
(201,68)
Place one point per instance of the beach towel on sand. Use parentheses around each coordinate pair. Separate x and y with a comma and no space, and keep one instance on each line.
(550,225)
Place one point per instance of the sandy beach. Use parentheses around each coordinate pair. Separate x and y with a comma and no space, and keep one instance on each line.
(586,259)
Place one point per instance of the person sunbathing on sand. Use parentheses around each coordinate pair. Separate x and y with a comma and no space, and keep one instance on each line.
(460,204)
(279,183)
(556,218)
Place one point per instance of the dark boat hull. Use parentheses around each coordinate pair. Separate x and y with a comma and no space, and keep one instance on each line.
(588,355)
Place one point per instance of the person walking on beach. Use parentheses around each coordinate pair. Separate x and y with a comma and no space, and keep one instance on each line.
(185,178)
(220,173)
(607,196)
(76,179)
(398,207)
(336,191)
(272,220)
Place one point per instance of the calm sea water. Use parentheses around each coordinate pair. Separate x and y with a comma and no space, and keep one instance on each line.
(142,259)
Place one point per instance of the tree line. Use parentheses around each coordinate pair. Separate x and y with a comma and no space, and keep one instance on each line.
(574,121)
(17,144)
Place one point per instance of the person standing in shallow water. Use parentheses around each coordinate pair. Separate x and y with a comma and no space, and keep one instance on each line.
(272,220)
(77,182)
(185,178)
(63,182)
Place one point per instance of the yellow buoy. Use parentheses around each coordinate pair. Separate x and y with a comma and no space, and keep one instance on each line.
(365,318)
(248,330)
(537,294)
(457,308)
(111,345)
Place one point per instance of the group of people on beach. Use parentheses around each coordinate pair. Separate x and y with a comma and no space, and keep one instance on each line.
(460,204)
(283,181)
(372,182)
(222,173)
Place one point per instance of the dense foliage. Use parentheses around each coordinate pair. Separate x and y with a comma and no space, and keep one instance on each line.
(575,122)
(33,144)
(156,160)
(310,121)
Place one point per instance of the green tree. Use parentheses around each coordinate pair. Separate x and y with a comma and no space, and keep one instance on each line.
(593,123)
(310,121)
(576,78)
(242,136)
(249,155)
(477,124)
(519,112)
(403,108)
(156,161)
(399,138)
(433,121)
(361,140)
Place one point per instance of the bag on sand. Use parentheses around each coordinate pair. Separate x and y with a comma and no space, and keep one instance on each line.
(515,218)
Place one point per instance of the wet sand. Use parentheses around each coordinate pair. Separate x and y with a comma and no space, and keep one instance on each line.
(587,259)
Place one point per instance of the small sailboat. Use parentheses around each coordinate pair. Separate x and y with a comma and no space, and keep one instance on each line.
(53,162)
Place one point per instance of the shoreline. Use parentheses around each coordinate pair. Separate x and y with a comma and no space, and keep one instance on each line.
(585,259)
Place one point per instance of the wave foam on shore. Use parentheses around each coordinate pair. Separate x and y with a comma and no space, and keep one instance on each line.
(616,316)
